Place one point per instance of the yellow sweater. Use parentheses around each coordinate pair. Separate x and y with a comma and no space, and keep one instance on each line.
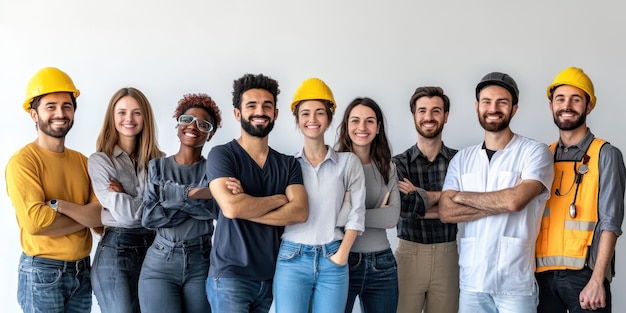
(33,177)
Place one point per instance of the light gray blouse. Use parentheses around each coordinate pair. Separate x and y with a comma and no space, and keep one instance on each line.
(326,185)
(119,209)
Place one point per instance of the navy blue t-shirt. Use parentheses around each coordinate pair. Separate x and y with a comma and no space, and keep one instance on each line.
(241,248)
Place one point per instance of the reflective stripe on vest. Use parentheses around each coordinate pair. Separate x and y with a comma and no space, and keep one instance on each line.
(563,241)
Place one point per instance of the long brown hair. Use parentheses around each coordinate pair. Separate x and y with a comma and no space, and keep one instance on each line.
(146,145)
(380,152)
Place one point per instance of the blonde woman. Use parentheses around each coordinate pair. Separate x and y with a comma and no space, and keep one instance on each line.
(118,171)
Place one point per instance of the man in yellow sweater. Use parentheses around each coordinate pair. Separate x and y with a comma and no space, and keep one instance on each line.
(54,203)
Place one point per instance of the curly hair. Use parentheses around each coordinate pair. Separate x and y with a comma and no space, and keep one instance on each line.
(202,101)
(250,81)
(380,151)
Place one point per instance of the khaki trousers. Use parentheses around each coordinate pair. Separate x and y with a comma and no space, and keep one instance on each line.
(428,277)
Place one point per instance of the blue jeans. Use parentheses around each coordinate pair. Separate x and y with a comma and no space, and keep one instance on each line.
(559,291)
(173,276)
(50,286)
(116,267)
(235,295)
(306,280)
(374,278)
(479,302)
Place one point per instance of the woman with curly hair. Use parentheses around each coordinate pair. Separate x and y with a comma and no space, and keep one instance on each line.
(178,204)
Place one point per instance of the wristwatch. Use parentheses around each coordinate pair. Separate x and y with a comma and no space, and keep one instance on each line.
(54,204)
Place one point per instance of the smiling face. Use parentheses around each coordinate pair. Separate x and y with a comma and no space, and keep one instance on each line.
(128,117)
(190,135)
(429,116)
(54,115)
(495,108)
(312,118)
(569,107)
(362,125)
(258,112)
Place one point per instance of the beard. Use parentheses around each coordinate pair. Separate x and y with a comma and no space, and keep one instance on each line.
(431,133)
(47,129)
(257,131)
(494,127)
(569,125)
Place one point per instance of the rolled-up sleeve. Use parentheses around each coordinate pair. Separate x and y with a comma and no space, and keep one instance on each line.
(356,186)
(611,193)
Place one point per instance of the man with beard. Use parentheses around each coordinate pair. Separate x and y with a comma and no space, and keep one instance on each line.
(497,191)
(54,203)
(250,224)
(428,272)
(583,218)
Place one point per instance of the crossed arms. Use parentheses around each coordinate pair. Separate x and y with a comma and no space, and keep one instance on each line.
(34,214)
(461,206)
(429,198)
(277,210)
(72,217)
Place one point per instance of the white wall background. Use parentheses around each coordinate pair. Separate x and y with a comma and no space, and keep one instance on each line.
(380,49)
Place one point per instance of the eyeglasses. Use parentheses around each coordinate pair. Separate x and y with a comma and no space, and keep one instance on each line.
(580,171)
(202,125)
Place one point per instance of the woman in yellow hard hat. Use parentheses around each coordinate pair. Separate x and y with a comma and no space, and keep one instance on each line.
(312,270)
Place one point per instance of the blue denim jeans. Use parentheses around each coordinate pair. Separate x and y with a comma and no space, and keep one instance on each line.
(235,295)
(306,280)
(559,291)
(50,286)
(374,278)
(479,302)
(173,276)
(116,267)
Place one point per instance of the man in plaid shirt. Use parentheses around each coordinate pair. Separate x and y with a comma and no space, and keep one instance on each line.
(428,273)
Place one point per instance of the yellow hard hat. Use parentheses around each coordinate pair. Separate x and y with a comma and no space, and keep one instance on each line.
(48,80)
(313,89)
(573,76)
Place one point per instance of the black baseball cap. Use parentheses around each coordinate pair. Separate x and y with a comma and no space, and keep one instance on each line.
(499,79)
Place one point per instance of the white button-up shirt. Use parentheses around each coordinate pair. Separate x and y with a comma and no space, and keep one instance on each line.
(326,185)
(497,253)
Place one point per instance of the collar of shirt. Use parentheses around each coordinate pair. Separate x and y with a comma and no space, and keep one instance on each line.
(446,152)
(509,144)
(117,151)
(582,145)
(330,155)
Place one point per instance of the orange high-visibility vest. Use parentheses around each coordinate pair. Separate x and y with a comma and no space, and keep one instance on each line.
(563,241)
